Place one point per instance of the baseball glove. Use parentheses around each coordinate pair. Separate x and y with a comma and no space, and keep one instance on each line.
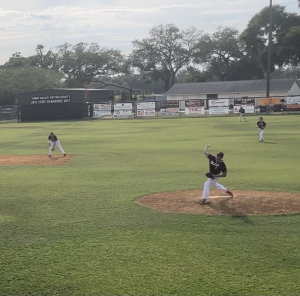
(210,175)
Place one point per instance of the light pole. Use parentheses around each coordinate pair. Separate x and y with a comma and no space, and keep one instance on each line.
(269,51)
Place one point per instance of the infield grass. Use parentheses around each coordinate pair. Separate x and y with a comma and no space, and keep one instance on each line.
(76,229)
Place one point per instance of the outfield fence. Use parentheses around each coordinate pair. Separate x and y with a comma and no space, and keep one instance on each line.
(193,108)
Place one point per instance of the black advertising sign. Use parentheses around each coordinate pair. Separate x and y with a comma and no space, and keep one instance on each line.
(51,100)
(246,101)
(194,103)
(169,104)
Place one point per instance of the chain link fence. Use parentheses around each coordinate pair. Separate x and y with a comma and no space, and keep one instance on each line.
(9,113)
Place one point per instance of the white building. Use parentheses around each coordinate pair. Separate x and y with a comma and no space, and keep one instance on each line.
(233,89)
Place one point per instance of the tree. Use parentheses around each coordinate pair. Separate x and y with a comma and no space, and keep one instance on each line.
(134,81)
(165,52)
(285,37)
(225,58)
(225,50)
(16,61)
(83,62)
(17,76)
(289,46)
(44,59)
(18,80)
(289,72)
(192,74)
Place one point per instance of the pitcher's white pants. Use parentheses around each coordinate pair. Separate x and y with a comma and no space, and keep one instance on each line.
(211,183)
(261,134)
(58,145)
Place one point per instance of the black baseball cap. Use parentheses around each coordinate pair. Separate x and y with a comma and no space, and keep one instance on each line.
(220,154)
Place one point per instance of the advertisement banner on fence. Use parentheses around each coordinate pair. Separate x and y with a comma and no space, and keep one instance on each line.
(170,112)
(269,101)
(218,110)
(123,113)
(194,103)
(191,111)
(122,106)
(103,113)
(106,106)
(169,104)
(293,107)
(293,100)
(145,105)
(218,103)
(147,112)
(244,102)
(248,109)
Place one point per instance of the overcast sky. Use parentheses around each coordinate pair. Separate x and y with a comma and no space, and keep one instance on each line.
(114,23)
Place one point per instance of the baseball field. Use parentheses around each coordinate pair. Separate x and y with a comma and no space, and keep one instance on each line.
(76,225)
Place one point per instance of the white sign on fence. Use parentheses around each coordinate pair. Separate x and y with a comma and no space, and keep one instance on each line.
(123,113)
(170,111)
(195,110)
(145,105)
(218,103)
(248,109)
(106,106)
(293,100)
(218,110)
(122,106)
(103,113)
(148,112)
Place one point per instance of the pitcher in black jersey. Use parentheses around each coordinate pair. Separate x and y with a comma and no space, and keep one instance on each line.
(218,168)
(53,141)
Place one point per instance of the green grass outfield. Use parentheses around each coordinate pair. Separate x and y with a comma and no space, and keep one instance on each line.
(76,229)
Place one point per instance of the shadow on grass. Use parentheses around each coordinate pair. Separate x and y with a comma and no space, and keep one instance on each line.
(269,142)
(226,209)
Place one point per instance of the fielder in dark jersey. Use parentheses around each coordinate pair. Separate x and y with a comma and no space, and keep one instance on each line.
(242,113)
(261,125)
(53,141)
(217,167)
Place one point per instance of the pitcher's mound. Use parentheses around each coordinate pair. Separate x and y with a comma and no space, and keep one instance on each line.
(242,203)
(58,159)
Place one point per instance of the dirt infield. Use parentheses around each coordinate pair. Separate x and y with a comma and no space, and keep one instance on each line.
(9,160)
(241,204)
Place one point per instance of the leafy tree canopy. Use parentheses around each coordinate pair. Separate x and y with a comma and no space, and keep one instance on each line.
(83,62)
(17,80)
(285,37)
(165,52)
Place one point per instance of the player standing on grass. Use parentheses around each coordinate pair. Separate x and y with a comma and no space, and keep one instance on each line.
(242,113)
(217,169)
(261,125)
(53,141)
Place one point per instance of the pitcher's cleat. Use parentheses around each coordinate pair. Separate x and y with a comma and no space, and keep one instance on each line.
(204,202)
(229,192)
